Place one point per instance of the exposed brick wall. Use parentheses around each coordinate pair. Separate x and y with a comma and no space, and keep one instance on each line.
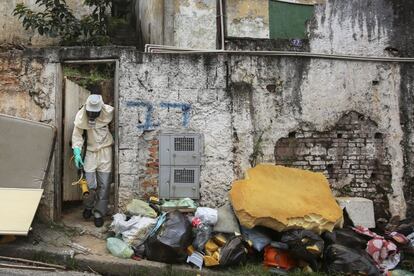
(149,180)
(351,155)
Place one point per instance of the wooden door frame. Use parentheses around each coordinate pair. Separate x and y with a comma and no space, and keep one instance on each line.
(58,188)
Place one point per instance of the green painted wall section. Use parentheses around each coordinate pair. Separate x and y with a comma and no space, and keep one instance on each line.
(288,20)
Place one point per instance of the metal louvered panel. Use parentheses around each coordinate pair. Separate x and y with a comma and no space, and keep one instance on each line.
(180,150)
(185,182)
(180,160)
(184,176)
(184,143)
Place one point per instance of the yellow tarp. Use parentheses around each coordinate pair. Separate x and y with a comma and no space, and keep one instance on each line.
(283,198)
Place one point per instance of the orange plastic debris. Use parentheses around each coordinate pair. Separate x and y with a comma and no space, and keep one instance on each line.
(278,258)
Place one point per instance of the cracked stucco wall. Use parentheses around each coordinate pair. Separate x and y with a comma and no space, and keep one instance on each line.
(235,98)
(196,81)
(27,90)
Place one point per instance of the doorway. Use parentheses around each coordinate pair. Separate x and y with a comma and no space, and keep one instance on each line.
(80,79)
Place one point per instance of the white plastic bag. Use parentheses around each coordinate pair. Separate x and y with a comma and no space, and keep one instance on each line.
(134,230)
(207,215)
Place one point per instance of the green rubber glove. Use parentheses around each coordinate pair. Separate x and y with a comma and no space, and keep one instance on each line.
(78,157)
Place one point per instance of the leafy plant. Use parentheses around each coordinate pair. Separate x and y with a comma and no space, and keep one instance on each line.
(58,20)
(89,75)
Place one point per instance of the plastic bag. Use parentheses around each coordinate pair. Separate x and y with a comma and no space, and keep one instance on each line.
(233,252)
(258,238)
(227,221)
(341,259)
(346,237)
(184,202)
(134,230)
(170,242)
(119,248)
(304,245)
(207,215)
(400,272)
(203,234)
(140,208)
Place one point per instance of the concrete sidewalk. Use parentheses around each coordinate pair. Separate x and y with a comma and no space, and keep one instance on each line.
(60,245)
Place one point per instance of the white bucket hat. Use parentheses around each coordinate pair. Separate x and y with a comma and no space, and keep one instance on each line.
(94,103)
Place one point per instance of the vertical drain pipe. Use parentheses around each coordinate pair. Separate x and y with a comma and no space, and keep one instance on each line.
(221,24)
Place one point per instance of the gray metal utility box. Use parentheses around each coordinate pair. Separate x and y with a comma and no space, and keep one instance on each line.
(180,163)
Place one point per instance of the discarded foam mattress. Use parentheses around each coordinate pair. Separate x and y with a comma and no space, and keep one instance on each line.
(26,150)
(283,198)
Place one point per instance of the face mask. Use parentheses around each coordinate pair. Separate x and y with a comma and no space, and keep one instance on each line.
(92,117)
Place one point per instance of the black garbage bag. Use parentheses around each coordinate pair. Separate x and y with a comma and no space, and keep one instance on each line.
(304,245)
(346,237)
(169,244)
(233,252)
(342,259)
(203,234)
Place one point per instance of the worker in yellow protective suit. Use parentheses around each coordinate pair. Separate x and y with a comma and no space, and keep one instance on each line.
(94,118)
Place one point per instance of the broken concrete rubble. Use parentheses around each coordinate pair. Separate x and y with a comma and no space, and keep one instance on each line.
(360,210)
(283,198)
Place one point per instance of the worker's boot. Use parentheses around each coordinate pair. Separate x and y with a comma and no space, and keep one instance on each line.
(98,219)
(87,213)
(102,198)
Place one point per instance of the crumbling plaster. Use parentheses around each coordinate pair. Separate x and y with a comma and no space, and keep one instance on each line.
(247,18)
(27,90)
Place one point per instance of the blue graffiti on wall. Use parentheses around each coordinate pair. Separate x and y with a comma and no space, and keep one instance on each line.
(149,110)
(148,123)
(185,108)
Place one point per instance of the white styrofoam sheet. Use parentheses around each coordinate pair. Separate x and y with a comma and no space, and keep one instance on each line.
(17,209)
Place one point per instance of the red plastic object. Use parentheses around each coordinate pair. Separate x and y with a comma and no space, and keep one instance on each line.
(278,258)
(196,222)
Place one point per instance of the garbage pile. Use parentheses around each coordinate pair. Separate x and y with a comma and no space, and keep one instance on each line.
(285,218)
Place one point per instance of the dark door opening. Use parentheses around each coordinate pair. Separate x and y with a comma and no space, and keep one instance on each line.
(80,79)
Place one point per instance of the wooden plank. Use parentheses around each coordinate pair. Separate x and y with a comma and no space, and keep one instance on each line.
(17,209)
(75,97)
(32,262)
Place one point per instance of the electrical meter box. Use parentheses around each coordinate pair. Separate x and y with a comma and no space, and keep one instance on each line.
(180,164)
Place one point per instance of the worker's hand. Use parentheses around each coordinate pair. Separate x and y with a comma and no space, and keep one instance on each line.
(78,157)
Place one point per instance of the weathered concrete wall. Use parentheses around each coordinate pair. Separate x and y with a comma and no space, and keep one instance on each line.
(145,88)
(247,18)
(352,27)
(27,90)
(150,16)
(280,102)
(266,97)
(179,23)
(12,32)
(195,24)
